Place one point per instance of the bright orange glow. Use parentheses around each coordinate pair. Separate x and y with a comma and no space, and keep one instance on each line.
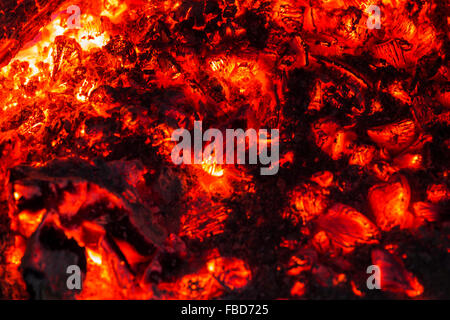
(298,289)
(29,221)
(15,253)
(94,256)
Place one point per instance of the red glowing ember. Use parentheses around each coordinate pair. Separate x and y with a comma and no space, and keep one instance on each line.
(94,207)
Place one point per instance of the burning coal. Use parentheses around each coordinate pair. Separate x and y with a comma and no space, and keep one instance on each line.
(214,152)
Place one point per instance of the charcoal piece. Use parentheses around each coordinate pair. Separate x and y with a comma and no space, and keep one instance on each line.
(105,94)
(393,51)
(119,46)
(193,11)
(257,33)
(16,120)
(347,227)
(230,11)
(212,7)
(21,22)
(428,66)
(394,276)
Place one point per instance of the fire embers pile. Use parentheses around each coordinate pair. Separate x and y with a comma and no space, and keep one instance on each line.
(87,178)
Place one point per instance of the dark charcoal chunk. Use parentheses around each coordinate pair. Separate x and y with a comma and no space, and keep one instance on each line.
(20,23)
